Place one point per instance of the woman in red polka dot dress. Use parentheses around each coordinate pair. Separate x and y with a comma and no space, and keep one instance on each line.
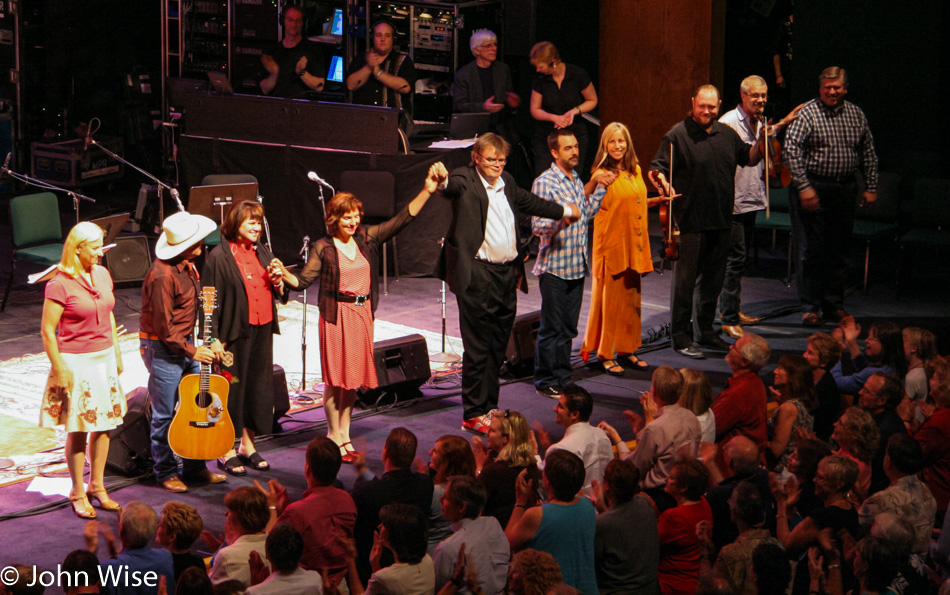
(347,263)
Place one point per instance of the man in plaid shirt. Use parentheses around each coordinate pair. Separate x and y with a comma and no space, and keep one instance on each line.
(824,150)
(562,260)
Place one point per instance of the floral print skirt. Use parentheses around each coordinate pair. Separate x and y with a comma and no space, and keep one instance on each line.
(96,402)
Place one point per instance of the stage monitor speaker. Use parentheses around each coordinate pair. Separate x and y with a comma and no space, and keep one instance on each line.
(130,260)
(402,366)
(281,397)
(130,448)
(524,334)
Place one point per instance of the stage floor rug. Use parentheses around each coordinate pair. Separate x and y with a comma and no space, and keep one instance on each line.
(23,378)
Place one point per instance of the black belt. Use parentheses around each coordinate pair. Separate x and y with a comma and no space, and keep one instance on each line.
(494,264)
(350,298)
(843,179)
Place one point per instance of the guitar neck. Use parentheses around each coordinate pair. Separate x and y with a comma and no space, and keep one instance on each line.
(206,368)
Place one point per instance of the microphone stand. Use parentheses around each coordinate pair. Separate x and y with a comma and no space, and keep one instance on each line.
(159,184)
(444,357)
(25,179)
(305,252)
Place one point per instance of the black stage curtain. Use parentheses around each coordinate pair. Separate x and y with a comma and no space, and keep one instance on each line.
(292,203)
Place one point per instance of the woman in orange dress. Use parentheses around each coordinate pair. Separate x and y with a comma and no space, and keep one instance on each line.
(621,255)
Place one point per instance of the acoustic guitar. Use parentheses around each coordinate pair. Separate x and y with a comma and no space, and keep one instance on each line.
(202,428)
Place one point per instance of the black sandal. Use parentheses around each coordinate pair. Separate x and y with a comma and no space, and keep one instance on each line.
(636,362)
(614,368)
(254,461)
(232,466)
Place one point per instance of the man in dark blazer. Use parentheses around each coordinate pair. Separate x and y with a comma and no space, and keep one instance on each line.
(481,264)
(484,85)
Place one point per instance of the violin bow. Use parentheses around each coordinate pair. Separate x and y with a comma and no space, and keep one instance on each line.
(765,123)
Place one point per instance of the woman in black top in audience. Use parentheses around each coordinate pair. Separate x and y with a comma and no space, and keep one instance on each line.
(822,353)
(509,451)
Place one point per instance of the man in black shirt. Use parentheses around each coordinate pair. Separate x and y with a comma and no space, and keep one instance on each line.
(383,76)
(705,156)
(295,65)
(484,85)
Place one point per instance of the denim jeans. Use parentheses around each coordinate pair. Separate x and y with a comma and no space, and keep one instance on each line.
(740,240)
(165,370)
(560,309)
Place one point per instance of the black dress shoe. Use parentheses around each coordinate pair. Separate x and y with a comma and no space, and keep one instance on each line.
(714,342)
(690,351)
(552,392)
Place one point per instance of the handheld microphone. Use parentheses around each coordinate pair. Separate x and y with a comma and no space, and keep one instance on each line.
(306,243)
(316,178)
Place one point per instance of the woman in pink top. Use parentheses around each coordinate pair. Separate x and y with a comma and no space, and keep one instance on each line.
(83,391)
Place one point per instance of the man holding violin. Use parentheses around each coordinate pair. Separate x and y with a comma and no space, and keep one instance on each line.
(703,155)
(825,149)
(747,120)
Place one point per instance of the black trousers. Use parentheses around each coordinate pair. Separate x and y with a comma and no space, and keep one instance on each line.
(697,281)
(486,313)
(822,241)
(740,243)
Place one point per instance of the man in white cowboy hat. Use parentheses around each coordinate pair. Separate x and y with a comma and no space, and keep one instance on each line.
(166,330)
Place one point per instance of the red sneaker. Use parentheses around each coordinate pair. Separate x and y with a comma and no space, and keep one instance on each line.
(476,425)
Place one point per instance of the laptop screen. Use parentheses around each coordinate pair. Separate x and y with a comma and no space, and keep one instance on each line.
(336,24)
(335,72)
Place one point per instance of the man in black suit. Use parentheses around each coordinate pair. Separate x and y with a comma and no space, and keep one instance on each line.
(481,264)
(484,85)
(398,484)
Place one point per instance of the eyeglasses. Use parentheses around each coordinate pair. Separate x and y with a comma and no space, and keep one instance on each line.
(757,95)
(494,160)
(489,45)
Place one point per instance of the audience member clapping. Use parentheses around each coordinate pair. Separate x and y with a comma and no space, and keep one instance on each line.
(178,528)
(678,570)
(883,352)
(674,433)
(822,353)
(403,532)
(486,548)
(572,412)
(697,396)
(564,526)
(748,508)
(509,451)
(245,521)
(399,484)
(880,397)
(284,547)
(794,391)
(450,456)
(857,438)
(324,510)
(834,479)
(742,461)
(626,543)
(920,346)
(137,525)
(532,572)
(934,435)
(906,496)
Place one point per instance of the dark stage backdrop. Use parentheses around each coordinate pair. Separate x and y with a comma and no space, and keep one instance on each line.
(291,201)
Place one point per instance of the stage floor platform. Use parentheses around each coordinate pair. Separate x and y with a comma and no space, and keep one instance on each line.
(44,539)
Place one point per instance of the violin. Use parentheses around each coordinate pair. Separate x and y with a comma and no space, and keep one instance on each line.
(671,235)
(775,174)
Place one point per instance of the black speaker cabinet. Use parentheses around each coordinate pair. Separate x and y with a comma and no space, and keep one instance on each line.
(281,397)
(402,366)
(130,260)
(524,335)
(130,449)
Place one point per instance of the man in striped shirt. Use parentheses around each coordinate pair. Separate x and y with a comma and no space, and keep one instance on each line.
(825,149)
(562,260)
